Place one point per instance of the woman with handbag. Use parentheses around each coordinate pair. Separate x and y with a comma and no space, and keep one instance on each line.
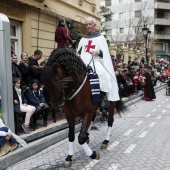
(20,104)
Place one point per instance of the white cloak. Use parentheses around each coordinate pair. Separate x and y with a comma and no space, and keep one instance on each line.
(103,66)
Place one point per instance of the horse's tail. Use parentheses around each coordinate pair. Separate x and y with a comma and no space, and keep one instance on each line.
(121,107)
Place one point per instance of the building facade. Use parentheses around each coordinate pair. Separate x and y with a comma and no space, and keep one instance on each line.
(130,16)
(33,22)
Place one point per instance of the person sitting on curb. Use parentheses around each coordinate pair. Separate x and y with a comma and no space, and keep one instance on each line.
(20,104)
(7,141)
(35,97)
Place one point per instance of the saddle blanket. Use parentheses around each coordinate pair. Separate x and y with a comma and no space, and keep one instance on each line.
(94,84)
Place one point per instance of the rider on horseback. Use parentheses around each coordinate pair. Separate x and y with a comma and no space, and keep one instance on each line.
(94,45)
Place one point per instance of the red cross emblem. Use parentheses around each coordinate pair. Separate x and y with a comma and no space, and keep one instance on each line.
(87,47)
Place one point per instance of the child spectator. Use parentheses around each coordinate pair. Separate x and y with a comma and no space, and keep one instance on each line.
(19,100)
(36,98)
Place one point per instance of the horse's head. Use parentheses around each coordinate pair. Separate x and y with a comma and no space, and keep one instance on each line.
(60,73)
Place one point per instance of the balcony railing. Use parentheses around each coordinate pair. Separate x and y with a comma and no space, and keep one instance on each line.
(166,1)
(163,16)
(163,32)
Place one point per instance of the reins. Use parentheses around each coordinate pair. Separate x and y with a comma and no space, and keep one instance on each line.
(72,94)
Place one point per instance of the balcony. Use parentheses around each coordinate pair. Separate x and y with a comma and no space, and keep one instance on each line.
(162,4)
(164,35)
(163,21)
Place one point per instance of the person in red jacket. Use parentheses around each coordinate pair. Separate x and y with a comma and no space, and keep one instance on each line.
(61,35)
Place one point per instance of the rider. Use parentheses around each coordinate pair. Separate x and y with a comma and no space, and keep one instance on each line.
(94,45)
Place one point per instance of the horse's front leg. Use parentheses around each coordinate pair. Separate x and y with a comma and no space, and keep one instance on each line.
(82,138)
(111,109)
(71,136)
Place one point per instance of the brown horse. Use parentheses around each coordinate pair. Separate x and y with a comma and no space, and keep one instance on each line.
(65,77)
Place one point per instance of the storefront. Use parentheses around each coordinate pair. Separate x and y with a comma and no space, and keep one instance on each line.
(33,23)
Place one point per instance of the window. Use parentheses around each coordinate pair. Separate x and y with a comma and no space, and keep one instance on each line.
(15,35)
(138,29)
(137,0)
(121,30)
(121,15)
(138,14)
(160,46)
(120,1)
(108,2)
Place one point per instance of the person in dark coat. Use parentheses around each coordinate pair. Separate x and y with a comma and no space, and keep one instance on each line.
(149,92)
(15,68)
(24,69)
(35,68)
(35,97)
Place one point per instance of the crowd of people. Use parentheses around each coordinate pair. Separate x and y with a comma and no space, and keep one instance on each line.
(129,76)
(28,93)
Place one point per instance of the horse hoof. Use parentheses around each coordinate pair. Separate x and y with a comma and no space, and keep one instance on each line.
(67,164)
(97,155)
(104,146)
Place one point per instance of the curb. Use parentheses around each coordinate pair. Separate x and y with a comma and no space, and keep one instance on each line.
(56,135)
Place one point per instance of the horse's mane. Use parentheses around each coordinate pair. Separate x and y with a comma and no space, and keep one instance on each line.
(69,60)
(72,64)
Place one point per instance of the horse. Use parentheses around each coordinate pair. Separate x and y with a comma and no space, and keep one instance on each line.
(64,75)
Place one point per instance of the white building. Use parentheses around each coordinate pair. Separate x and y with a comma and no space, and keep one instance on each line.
(129,17)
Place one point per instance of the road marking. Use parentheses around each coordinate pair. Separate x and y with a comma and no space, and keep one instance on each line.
(113,145)
(90,165)
(168,106)
(142,135)
(130,148)
(128,132)
(152,124)
(159,106)
(163,111)
(154,110)
(158,117)
(148,115)
(140,122)
(113,167)
(163,102)
(166,99)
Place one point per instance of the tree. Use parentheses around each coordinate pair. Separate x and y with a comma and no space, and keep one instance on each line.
(106,18)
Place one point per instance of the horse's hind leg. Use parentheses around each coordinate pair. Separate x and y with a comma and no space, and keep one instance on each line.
(110,123)
(82,138)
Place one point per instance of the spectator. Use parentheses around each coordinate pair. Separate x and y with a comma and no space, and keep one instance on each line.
(149,93)
(7,141)
(129,83)
(20,101)
(121,81)
(36,98)
(61,35)
(24,69)
(15,68)
(35,69)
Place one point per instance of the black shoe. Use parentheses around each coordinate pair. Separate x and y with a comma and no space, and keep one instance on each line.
(34,126)
(45,123)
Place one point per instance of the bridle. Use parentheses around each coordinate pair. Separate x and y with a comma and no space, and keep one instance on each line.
(72,94)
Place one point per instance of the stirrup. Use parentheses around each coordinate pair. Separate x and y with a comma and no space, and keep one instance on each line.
(104,102)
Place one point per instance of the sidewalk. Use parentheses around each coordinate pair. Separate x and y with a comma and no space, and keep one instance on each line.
(51,135)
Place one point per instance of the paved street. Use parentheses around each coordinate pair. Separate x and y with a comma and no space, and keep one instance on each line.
(140,140)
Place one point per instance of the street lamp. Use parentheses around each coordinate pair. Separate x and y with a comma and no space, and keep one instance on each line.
(146,33)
